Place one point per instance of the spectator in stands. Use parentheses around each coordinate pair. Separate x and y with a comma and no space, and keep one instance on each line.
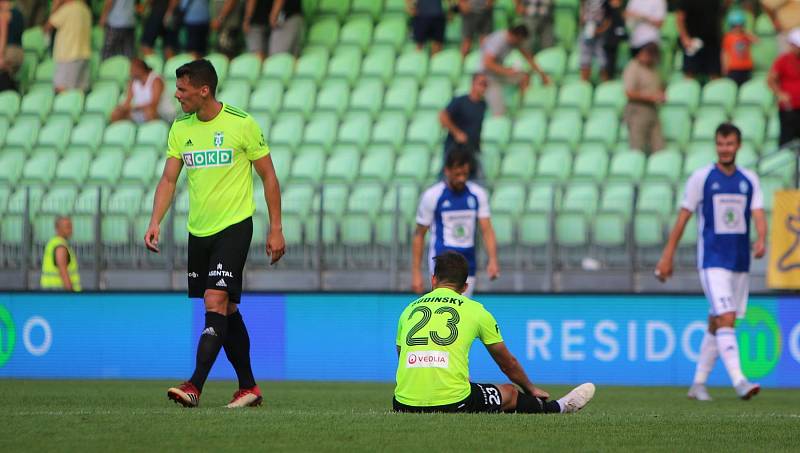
(537,15)
(645,93)
(286,26)
(59,262)
(193,16)
(119,20)
(144,95)
(463,118)
(595,21)
(494,50)
(12,23)
(428,23)
(34,11)
(72,45)
(227,23)
(785,16)
(737,63)
(784,81)
(700,31)
(157,26)
(645,18)
(476,21)
(615,34)
(254,26)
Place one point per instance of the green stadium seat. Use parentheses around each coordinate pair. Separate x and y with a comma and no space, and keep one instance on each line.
(572,230)
(40,167)
(534,229)
(173,64)
(33,40)
(581,197)
(73,167)
(300,97)
(367,96)
(368,8)
(59,200)
(43,76)
(706,123)
(11,163)
(655,197)
(120,134)
(720,92)
(747,155)
(530,127)
(565,126)
(435,95)
(577,95)
(221,65)
(390,128)
(764,53)
(627,166)
(353,129)
(752,123)
(324,33)
(357,32)
(5,124)
(611,94)
(379,64)
(390,32)
(9,104)
(676,124)
(153,133)
(334,200)
(17,201)
(115,69)
(408,168)
(125,200)
(115,232)
(102,100)
(424,129)
(542,198)
(684,92)
(413,64)
(365,199)
(518,166)
(106,168)
(503,225)
(12,228)
(333,97)
(648,230)
(689,239)
(342,166)
(336,8)
(23,133)
(496,131)
(698,154)
(55,134)
(287,130)
(602,126)
(311,66)
(539,96)
(404,197)
(508,198)
(88,202)
(554,166)
(608,230)
(377,165)
(591,165)
(321,131)
(139,167)
(763,26)
(355,230)
(267,97)
(553,61)
(245,67)
(780,164)
(756,92)
(770,185)
(308,167)
(664,165)
(235,93)
(618,198)
(278,67)
(565,27)
(401,96)
(447,63)
(37,103)
(346,64)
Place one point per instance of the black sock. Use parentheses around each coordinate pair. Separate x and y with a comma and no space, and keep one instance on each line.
(211,341)
(527,404)
(237,348)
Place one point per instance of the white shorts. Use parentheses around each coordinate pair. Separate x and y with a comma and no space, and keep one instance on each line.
(725,290)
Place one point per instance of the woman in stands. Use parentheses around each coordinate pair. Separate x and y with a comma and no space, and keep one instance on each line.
(144,100)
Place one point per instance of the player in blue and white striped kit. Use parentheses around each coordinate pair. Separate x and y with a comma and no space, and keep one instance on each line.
(452,209)
(725,197)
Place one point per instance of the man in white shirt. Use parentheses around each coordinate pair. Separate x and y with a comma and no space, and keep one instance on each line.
(645,18)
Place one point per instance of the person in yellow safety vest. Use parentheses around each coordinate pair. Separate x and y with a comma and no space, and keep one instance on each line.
(59,263)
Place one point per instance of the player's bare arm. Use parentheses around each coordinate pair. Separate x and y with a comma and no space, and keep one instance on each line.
(510,366)
(759,247)
(417,245)
(162,200)
(276,245)
(490,242)
(664,267)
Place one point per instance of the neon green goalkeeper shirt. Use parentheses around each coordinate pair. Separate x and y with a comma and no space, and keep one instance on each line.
(217,156)
(435,333)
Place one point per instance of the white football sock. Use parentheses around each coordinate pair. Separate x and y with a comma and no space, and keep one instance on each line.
(706,359)
(729,351)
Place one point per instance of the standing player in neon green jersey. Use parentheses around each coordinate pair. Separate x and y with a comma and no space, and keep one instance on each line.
(219,145)
(434,336)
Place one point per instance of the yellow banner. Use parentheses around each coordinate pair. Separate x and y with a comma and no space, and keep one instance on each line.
(784,243)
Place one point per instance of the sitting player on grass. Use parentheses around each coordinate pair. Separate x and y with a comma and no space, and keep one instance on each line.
(434,336)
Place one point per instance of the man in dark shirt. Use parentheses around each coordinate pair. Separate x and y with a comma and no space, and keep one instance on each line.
(463,117)
(700,31)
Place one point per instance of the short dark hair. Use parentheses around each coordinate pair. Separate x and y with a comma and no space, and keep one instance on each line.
(451,267)
(726,129)
(458,155)
(200,72)
(520,31)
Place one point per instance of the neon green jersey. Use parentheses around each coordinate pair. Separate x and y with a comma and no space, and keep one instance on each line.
(434,334)
(217,156)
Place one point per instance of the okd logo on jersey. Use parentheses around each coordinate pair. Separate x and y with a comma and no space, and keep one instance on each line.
(428,359)
(210,158)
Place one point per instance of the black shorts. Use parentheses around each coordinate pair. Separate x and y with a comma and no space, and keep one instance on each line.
(217,261)
(154,28)
(428,28)
(482,398)
(705,62)
(197,38)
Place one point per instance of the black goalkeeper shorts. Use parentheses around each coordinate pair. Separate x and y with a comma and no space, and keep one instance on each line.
(482,398)
(217,261)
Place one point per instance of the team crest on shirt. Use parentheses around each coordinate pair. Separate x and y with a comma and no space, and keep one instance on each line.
(471,202)
(743,187)
(219,137)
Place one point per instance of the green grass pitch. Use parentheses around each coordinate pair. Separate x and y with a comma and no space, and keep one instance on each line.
(316,416)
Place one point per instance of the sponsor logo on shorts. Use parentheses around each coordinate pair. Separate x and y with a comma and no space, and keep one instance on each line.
(192,275)
(428,359)
(209,158)
(219,272)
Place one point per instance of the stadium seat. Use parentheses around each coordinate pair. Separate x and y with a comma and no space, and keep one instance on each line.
(648,230)
(554,165)
(102,100)
(278,67)
(756,92)
(763,26)
(33,40)
(55,134)
(534,229)
(356,32)
(752,123)
(300,97)
(591,165)
(566,126)
(503,225)
(780,164)
(346,64)
(59,200)
(698,155)
(11,163)
(391,33)
(618,198)
(539,96)
(367,96)
(353,129)
(379,64)
(312,66)
(5,124)
(447,63)
(115,69)
(153,133)
(627,166)
(401,96)
(664,165)
(390,128)
(37,103)
(495,132)
(518,166)
(308,167)
(73,168)
(367,8)
(43,76)
(581,197)
(235,93)
(139,167)
(543,198)
(287,130)
(321,131)
(577,95)
(172,64)
(553,61)
(334,200)
(106,168)
(267,97)
(120,134)
(611,94)
(338,9)
(602,126)
(40,167)
(408,168)
(9,104)
(435,95)
(676,124)
(377,164)
(365,199)
(342,166)
(508,198)
(124,200)
(23,133)
(324,33)
(424,129)
(608,230)
(572,230)
(684,92)
(764,53)
(530,127)
(565,27)
(720,92)
(413,64)
(655,197)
